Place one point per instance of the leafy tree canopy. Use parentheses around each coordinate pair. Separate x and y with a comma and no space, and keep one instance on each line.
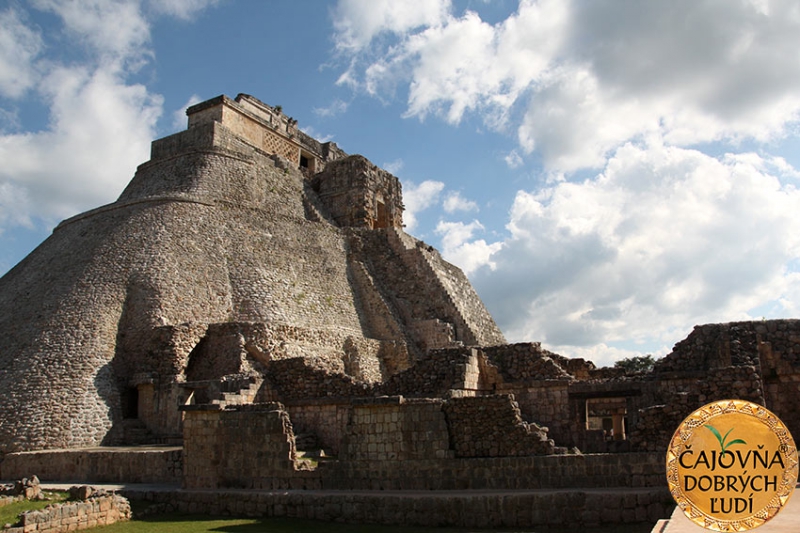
(639,363)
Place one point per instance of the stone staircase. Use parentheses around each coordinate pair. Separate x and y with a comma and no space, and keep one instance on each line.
(236,392)
(419,260)
(135,433)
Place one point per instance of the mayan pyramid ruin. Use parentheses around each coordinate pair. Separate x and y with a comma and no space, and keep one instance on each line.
(241,241)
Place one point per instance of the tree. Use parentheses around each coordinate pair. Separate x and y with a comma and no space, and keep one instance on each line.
(639,363)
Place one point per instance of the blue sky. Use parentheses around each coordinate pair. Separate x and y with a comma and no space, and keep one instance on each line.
(608,173)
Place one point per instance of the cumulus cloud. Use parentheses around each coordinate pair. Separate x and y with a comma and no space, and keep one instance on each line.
(100,123)
(418,198)
(100,131)
(115,32)
(663,238)
(587,77)
(358,22)
(455,202)
(459,248)
(19,46)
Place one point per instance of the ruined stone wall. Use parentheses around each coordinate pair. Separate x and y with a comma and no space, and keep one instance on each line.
(528,362)
(325,419)
(680,395)
(396,429)
(294,379)
(491,426)
(546,403)
(359,194)
(241,447)
(99,465)
(96,511)
(435,375)
(474,324)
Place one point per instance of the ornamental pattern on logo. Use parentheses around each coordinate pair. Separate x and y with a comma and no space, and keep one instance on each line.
(731,466)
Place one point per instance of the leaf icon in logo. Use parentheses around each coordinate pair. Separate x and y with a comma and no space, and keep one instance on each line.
(722,444)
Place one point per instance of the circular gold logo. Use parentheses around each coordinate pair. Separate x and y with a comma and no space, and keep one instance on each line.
(731,465)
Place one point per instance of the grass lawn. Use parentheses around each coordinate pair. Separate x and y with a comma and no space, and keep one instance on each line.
(180,523)
(175,523)
(9,513)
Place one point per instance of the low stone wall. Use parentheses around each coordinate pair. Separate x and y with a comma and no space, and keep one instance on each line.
(71,516)
(99,465)
(245,446)
(394,428)
(473,509)
(633,470)
(326,419)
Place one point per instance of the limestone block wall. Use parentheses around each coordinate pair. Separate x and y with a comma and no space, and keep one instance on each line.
(242,447)
(471,317)
(396,429)
(655,424)
(203,136)
(529,509)
(491,426)
(632,470)
(546,403)
(455,299)
(359,194)
(435,375)
(293,379)
(99,465)
(326,419)
(97,511)
(528,362)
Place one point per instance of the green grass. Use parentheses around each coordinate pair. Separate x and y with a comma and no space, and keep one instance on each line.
(9,513)
(177,523)
(181,523)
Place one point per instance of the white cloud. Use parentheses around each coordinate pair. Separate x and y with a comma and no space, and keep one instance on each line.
(179,119)
(19,46)
(336,108)
(14,206)
(358,22)
(455,202)
(393,167)
(182,9)
(513,159)
(664,238)
(101,129)
(418,198)
(587,77)
(603,355)
(459,249)
(100,124)
(115,31)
